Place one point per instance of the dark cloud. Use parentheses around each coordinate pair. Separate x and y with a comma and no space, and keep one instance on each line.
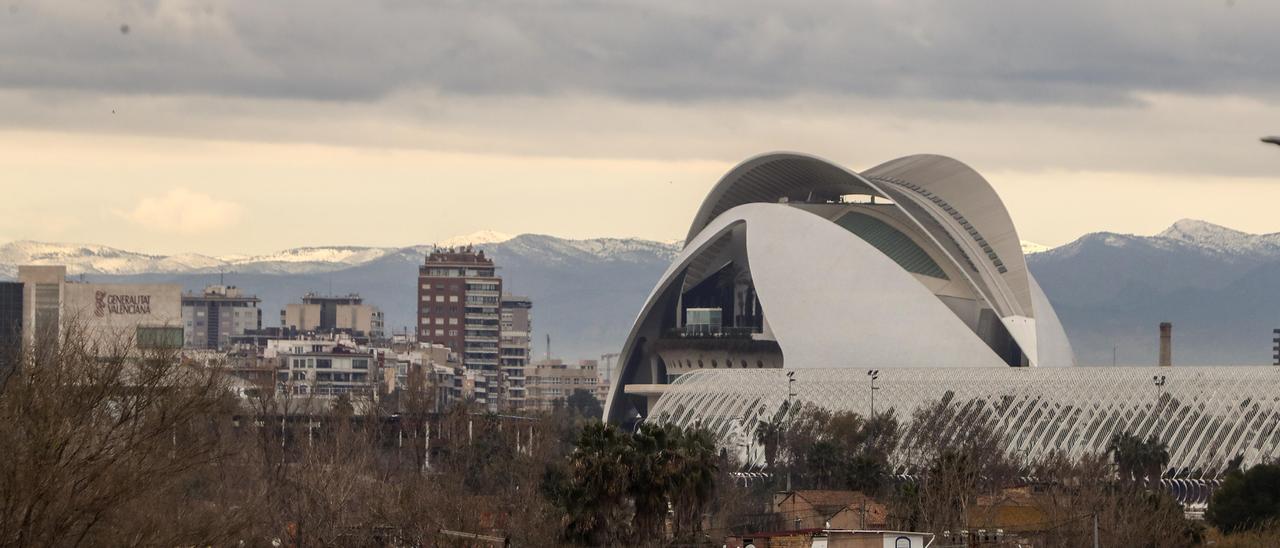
(1077,51)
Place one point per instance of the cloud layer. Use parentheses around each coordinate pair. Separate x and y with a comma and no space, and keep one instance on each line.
(1080,51)
(183,211)
(524,115)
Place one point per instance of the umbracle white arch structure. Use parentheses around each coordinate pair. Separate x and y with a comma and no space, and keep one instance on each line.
(1206,415)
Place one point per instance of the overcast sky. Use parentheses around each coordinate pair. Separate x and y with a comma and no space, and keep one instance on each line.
(245,127)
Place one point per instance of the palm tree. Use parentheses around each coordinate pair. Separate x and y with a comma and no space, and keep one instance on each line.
(1136,458)
(694,478)
(598,494)
(768,434)
(650,466)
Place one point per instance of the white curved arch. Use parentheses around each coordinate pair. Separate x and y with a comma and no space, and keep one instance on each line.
(849,290)
(1053,347)
(643,319)
(852,292)
(968,193)
(853,288)
(766,177)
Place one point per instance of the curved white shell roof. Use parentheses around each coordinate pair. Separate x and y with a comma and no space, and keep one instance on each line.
(831,299)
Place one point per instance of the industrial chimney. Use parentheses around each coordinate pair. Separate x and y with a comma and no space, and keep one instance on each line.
(1166,344)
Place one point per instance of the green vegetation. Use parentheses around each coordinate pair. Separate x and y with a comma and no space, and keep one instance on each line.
(618,487)
(1137,459)
(1248,500)
(584,404)
(835,450)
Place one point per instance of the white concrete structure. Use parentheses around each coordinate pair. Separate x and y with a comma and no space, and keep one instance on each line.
(1205,415)
(913,263)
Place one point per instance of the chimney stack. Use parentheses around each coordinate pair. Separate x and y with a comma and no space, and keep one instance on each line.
(1166,344)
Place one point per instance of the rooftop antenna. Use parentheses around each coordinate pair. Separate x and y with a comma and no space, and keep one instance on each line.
(548,347)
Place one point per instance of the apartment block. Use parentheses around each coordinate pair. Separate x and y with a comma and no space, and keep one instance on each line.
(547,381)
(324,368)
(459,307)
(514,346)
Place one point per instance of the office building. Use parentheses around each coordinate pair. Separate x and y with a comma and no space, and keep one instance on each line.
(334,314)
(10,321)
(211,318)
(111,316)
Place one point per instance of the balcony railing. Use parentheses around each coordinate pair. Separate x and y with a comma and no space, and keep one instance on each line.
(708,332)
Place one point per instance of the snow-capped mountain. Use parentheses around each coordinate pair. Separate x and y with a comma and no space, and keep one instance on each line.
(1221,239)
(1187,235)
(1032,247)
(476,238)
(90,259)
(585,291)
(96,259)
(347,255)
(1220,287)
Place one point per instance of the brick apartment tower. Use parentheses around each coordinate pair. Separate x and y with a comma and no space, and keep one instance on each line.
(459,302)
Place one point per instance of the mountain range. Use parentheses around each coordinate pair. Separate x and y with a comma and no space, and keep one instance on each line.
(586,292)
(1220,287)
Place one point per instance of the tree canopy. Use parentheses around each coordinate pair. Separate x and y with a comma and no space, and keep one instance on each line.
(1246,500)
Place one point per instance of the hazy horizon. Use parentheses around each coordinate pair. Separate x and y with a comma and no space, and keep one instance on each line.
(483,237)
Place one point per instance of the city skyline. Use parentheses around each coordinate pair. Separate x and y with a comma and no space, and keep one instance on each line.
(178,128)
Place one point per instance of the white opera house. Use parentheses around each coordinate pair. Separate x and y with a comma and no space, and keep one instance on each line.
(799,277)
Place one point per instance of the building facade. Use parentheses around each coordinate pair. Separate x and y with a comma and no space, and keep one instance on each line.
(325,369)
(111,316)
(437,365)
(515,345)
(211,318)
(549,383)
(334,314)
(459,307)
(10,321)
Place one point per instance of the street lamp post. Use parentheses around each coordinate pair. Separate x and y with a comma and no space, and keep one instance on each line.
(1159,381)
(874,374)
(791,381)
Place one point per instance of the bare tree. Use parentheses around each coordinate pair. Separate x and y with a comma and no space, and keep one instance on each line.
(95,433)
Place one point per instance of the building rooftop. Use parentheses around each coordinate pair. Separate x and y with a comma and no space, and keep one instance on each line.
(220,292)
(316,298)
(457,255)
